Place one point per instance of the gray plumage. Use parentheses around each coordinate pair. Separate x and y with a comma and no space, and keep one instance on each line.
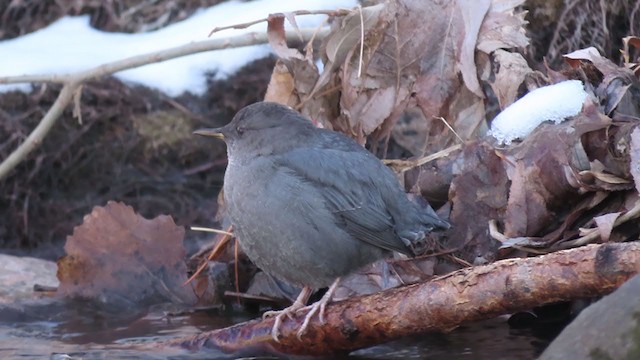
(309,205)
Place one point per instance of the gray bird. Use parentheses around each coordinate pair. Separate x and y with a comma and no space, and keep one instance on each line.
(310,205)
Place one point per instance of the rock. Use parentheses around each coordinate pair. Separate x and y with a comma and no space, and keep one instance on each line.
(18,275)
(608,329)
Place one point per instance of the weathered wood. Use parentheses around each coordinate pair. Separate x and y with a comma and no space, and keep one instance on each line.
(442,304)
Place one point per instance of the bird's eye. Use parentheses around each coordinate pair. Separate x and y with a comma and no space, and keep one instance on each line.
(240,130)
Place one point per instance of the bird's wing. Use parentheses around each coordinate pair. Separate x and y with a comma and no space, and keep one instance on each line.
(350,195)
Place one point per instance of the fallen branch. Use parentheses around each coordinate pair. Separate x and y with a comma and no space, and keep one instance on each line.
(442,304)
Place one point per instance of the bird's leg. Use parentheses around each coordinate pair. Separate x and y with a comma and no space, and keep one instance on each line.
(317,307)
(298,304)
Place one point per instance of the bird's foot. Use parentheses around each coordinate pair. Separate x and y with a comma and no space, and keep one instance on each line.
(279,315)
(317,307)
(298,307)
(298,304)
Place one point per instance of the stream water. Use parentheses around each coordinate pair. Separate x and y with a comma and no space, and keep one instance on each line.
(54,330)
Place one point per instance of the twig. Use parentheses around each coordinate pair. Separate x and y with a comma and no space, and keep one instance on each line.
(156,57)
(216,250)
(216,231)
(37,135)
(446,123)
(72,81)
(338,12)
(404,165)
(498,236)
(240,295)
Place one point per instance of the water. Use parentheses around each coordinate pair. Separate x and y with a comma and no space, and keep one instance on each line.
(52,330)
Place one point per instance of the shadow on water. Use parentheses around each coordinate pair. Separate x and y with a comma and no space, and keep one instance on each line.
(55,330)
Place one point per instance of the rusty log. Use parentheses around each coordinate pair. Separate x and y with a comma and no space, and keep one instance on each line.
(441,304)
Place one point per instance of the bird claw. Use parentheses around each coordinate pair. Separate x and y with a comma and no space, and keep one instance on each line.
(313,309)
(279,314)
(317,307)
(299,307)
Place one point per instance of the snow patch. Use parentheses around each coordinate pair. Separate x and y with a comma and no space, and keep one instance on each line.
(71,44)
(548,103)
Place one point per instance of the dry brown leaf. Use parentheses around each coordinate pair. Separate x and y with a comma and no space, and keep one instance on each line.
(527,210)
(368,280)
(438,77)
(468,116)
(278,40)
(629,61)
(605,224)
(512,70)
(529,242)
(432,179)
(599,180)
(374,110)
(610,150)
(473,14)
(304,74)
(478,194)
(416,53)
(576,57)
(503,28)
(281,87)
(616,84)
(118,257)
(265,285)
(543,171)
(345,35)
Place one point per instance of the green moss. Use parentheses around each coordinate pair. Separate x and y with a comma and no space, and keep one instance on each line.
(161,130)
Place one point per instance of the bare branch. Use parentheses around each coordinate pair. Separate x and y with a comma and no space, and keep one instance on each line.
(72,81)
(338,12)
(37,135)
(158,56)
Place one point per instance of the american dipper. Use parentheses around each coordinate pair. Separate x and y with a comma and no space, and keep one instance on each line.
(310,205)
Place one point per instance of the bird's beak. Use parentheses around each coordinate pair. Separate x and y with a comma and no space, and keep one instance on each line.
(216,133)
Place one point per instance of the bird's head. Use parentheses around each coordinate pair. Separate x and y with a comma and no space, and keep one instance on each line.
(259,129)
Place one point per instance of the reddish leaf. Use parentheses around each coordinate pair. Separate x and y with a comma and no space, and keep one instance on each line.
(118,255)
(480,187)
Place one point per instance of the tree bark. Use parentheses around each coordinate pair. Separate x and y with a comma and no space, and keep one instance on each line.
(441,304)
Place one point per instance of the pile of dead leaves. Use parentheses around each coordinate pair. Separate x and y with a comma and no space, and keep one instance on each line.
(428,76)
(439,78)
